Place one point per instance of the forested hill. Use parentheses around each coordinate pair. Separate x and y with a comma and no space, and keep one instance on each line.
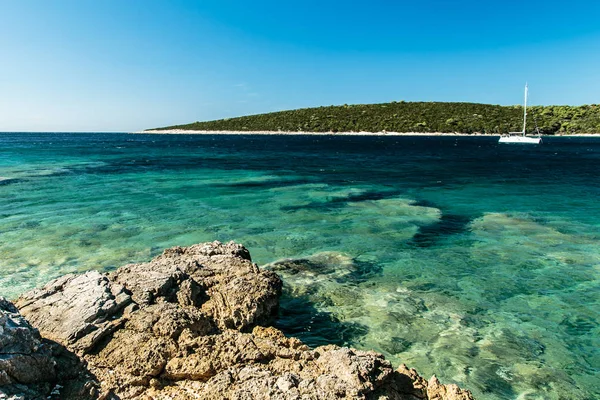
(415,117)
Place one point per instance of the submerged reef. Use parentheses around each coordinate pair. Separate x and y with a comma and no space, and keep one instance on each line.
(193,323)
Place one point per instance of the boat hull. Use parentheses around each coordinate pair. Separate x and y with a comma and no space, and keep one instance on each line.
(520,139)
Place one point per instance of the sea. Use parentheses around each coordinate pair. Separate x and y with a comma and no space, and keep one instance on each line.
(475,261)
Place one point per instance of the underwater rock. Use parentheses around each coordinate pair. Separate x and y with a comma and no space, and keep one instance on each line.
(327,262)
(191,324)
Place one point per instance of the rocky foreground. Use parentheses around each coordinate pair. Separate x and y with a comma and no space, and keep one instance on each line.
(190,324)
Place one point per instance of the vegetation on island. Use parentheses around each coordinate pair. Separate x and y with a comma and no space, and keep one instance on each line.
(415,117)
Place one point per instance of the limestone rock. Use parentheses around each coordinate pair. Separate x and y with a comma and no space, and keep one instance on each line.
(437,391)
(34,368)
(75,310)
(23,357)
(191,324)
(219,278)
(265,364)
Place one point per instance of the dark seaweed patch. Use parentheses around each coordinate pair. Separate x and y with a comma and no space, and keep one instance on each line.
(123,166)
(267,184)
(424,287)
(448,224)
(395,345)
(366,196)
(424,203)
(338,202)
(576,325)
(9,181)
(363,271)
(494,378)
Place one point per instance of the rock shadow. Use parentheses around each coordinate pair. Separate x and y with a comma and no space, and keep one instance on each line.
(298,317)
(333,276)
(65,376)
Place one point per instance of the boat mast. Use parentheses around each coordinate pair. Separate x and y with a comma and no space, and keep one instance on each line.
(525,110)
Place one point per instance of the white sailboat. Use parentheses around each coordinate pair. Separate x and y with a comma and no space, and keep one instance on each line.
(519,137)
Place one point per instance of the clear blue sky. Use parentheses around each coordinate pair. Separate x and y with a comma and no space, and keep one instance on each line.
(122,65)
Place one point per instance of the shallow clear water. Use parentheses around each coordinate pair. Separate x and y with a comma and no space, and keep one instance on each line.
(475,261)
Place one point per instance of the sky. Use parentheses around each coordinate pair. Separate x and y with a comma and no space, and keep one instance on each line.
(128,65)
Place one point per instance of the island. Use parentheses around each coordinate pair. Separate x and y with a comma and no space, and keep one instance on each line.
(408,117)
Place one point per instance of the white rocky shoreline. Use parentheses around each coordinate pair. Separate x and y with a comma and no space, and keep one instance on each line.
(362,133)
(193,323)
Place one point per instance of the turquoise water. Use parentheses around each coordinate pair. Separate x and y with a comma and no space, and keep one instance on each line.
(475,261)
